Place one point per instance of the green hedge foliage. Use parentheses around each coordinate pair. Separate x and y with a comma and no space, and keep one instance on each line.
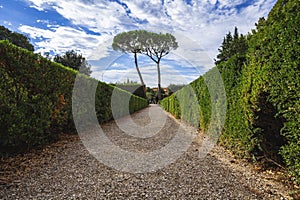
(193,103)
(262,86)
(36,98)
(137,89)
(274,86)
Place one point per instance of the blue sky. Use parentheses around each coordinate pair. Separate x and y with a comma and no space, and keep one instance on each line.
(89,26)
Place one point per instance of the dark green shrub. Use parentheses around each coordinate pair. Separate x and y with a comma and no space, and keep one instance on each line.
(25,119)
(275,49)
(262,83)
(36,98)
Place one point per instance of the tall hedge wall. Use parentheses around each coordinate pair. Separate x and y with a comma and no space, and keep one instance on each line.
(263,98)
(137,89)
(273,82)
(182,104)
(36,98)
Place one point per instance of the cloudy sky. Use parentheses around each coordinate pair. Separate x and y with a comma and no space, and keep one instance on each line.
(88,26)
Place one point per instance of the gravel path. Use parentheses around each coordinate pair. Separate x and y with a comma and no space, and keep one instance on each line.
(66,170)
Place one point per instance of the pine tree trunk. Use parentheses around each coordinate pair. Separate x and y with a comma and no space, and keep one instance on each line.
(159,87)
(140,75)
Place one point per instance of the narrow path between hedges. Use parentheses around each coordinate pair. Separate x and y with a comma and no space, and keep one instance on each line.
(67,170)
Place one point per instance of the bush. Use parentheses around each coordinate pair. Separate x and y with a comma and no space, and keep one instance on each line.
(274,57)
(263,99)
(25,119)
(36,98)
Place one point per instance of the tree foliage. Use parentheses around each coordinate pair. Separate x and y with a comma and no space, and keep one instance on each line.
(156,47)
(131,42)
(232,46)
(159,45)
(75,61)
(153,45)
(17,39)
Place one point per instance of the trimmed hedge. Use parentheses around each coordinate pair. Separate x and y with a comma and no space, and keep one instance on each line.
(137,89)
(263,98)
(274,86)
(195,102)
(36,98)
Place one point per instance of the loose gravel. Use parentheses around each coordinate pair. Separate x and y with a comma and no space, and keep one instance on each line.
(66,170)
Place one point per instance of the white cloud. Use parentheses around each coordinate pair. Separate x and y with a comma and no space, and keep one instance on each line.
(98,15)
(62,39)
(203,24)
(43,21)
(191,51)
(7,23)
(151,11)
(169,74)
